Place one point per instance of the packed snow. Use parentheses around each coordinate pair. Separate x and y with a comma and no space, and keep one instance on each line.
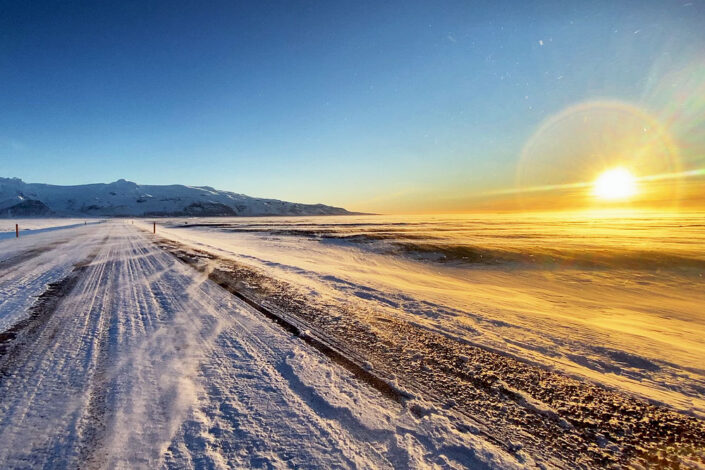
(141,362)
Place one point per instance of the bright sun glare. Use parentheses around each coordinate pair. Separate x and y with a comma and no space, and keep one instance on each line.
(615,184)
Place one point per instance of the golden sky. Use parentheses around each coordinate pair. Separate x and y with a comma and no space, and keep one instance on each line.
(572,152)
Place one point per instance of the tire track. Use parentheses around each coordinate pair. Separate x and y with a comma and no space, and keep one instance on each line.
(40,343)
(138,361)
(27,330)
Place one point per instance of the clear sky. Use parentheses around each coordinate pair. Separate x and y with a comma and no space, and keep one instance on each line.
(386,106)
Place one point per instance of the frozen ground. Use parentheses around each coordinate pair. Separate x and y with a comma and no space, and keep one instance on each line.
(114,354)
(571,340)
(616,299)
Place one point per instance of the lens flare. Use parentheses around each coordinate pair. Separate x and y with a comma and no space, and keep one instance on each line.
(571,147)
(615,184)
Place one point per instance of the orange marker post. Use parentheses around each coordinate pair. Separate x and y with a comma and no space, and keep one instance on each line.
(154,229)
(17,230)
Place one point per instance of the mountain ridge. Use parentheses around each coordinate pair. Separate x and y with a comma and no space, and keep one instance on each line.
(124,198)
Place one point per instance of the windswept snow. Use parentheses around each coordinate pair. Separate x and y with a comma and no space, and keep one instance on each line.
(507,341)
(144,363)
(30,263)
(619,301)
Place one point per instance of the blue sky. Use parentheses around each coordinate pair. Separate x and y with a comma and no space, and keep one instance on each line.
(350,103)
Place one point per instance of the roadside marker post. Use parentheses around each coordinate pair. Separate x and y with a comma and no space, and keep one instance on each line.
(154,229)
(17,230)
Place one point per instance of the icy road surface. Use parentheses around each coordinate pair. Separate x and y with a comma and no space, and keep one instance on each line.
(131,359)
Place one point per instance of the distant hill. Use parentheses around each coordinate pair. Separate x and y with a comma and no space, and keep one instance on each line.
(125,198)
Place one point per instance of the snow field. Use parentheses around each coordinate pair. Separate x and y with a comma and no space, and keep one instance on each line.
(147,364)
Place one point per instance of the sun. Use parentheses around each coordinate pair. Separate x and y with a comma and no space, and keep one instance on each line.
(615,185)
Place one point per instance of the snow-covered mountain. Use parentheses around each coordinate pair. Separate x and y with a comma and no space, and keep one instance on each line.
(125,198)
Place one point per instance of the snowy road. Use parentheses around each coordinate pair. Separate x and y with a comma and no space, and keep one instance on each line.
(132,359)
